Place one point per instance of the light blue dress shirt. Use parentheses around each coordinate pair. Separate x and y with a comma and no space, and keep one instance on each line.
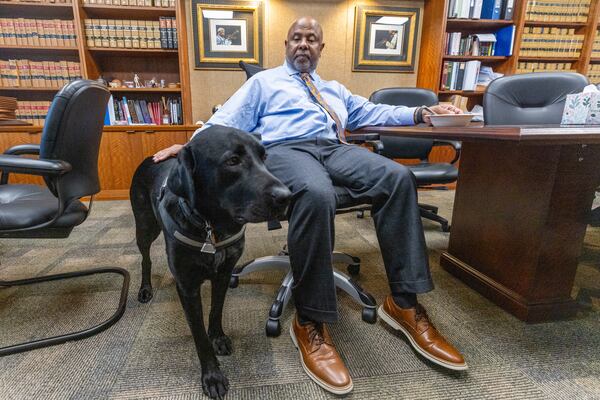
(277,104)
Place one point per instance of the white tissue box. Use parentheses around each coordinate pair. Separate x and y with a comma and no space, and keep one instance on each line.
(577,108)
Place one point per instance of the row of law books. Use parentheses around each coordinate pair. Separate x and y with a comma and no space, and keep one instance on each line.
(122,111)
(33,112)
(135,34)
(37,32)
(460,75)
(525,67)
(38,74)
(557,10)
(539,41)
(594,73)
(499,43)
(134,3)
(481,9)
(40,1)
(596,45)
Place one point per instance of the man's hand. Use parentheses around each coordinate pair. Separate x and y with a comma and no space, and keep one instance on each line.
(166,153)
(440,109)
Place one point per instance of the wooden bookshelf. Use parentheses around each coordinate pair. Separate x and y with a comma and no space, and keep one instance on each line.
(436,25)
(127,12)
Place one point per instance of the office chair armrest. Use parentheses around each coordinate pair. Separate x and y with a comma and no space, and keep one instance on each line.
(24,149)
(23,165)
(359,138)
(455,144)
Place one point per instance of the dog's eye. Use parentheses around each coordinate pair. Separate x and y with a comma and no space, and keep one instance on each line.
(234,160)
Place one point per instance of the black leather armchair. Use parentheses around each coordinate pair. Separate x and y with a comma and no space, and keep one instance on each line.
(530,99)
(282,261)
(426,172)
(68,162)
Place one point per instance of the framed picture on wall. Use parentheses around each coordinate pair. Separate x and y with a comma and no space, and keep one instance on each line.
(226,32)
(385,39)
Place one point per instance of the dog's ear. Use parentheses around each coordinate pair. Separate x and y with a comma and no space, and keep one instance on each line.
(181,179)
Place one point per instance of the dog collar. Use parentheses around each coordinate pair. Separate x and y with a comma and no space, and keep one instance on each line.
(208,245)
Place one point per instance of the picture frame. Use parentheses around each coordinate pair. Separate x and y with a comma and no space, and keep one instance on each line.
(225,32)
(385,39)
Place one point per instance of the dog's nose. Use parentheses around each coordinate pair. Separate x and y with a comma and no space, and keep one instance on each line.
(281,195)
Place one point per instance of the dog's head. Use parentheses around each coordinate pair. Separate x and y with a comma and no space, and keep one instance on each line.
(221,173)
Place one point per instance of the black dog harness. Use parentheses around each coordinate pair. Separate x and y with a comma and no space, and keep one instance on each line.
(207,244)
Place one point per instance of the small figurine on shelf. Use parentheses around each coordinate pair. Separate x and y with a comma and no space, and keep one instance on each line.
(115,83)
(162,83)
(153,82)
(137,81)
(102,80)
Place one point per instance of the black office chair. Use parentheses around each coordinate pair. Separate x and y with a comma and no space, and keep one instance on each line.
(68,162)
(426,172)
(530,99)
(282,261)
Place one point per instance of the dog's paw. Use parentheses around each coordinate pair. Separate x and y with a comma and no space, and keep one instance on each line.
(222,345)
(145,294)
(214,384)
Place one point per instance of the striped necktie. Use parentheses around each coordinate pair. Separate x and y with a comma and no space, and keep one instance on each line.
(317,96)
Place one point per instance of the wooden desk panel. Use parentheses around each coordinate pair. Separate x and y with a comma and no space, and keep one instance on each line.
(520,213)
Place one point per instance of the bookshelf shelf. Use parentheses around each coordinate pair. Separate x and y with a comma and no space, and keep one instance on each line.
(29,89)
(558,24)
(129,12)
(456,24)
(472,93)
(120,52)
(145,90)
(487,59)
(595,59)
(548,59)
(45,49)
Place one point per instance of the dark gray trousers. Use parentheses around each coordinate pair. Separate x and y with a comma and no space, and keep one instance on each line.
(310,168)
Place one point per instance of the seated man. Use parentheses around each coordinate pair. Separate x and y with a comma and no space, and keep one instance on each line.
(301,119)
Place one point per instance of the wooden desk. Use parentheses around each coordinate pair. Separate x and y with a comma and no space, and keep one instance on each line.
(520,213)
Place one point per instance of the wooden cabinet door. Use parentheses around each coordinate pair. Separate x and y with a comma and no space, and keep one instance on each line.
(121,152)
(10,139)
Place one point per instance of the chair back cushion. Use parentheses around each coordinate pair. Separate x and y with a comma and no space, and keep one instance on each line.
(530,99)
(399,147)
(72,133)
(250,69)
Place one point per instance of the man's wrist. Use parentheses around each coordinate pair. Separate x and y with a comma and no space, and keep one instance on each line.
(418,116)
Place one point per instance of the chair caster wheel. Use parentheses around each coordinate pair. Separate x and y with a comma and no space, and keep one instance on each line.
(360,214)
(369,315)
(353,269)
(273,328)
(445,228)
(234,281)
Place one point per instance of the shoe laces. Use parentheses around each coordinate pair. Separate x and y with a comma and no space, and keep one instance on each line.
(315,335)
(421,316)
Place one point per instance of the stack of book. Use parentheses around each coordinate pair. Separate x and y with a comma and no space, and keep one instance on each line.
(144,112)
(132,34)
(42,74)
(557,10)
(8,108)
(458,75)
(594,73)
(37,32)
(484,9)
(525,67)
(33,112)
(596,46)
(135,3)
(540,41)
(499,43)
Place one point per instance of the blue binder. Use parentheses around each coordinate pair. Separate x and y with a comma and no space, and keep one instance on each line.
(505,38)
(491,9)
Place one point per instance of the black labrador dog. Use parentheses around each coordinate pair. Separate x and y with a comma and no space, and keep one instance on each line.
(201,202)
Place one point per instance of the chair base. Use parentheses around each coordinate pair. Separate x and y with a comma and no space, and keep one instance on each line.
(431,212)
(51,341)
(342,281)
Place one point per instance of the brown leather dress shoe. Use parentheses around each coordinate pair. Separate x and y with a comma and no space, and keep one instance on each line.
(415,325)
(319,357)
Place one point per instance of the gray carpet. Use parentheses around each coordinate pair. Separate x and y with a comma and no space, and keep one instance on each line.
(150,353)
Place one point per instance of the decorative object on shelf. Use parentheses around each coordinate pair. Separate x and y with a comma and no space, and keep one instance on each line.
(162,83)
(226,32)
(129,84)
(173,85)
(102,81)
(385,39)
(115,83)
(137,82)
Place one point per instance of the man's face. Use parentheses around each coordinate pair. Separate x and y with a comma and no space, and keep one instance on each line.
(303,46)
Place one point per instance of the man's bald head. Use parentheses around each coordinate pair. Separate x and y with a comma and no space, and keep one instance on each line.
(304,44)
